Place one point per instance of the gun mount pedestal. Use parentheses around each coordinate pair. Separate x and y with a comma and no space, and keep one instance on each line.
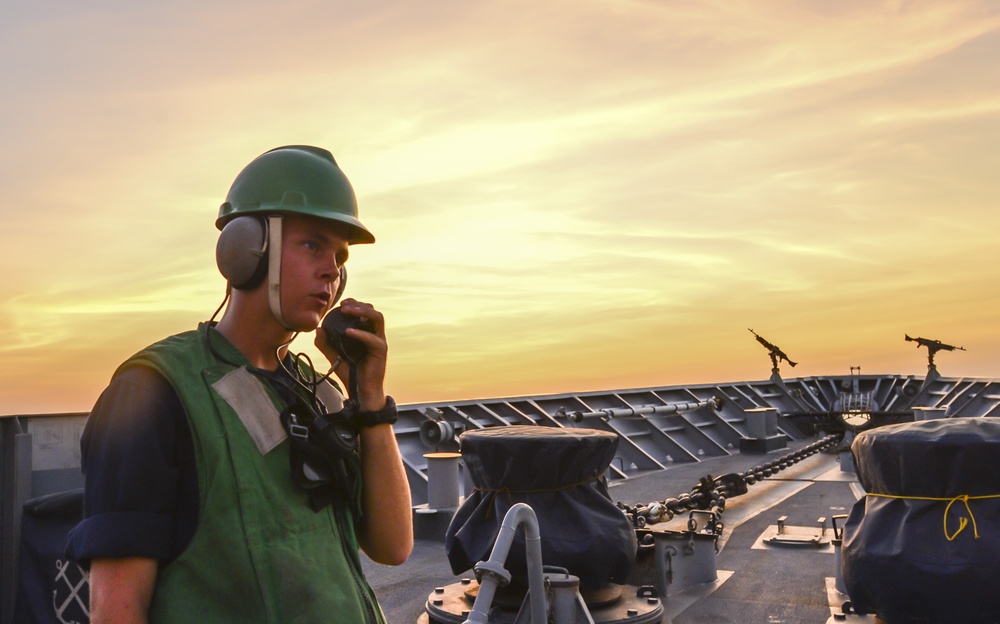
(762,432)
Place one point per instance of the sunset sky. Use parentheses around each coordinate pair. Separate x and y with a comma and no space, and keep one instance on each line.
(568,195)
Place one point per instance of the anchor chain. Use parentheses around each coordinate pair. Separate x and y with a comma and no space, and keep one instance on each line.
(711,493)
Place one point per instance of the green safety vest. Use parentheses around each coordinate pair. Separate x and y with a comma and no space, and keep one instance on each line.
(259,554)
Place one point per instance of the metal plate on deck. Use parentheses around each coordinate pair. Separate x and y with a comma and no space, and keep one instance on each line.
(802,537)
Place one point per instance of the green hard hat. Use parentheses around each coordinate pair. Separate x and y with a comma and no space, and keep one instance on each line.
(298,179)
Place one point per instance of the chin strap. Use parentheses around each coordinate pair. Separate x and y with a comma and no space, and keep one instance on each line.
(274,269)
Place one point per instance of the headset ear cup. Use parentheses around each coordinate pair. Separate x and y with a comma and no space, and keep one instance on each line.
(340,287)
(241,253)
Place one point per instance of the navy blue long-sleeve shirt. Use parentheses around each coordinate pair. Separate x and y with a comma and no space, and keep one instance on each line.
(141,481)
(140,477)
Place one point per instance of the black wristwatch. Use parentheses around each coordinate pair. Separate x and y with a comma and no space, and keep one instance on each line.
(385,416)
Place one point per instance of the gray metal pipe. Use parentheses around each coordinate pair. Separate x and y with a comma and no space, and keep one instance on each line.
(643,410)
(519,516)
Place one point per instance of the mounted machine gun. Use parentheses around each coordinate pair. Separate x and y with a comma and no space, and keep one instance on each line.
(775,353)
(933,346)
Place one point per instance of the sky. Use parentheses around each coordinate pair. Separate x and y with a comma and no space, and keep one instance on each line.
(568,195)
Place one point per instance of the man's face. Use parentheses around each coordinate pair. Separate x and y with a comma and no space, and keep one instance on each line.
(313,250)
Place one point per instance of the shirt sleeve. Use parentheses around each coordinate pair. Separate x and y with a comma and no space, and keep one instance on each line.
(140,496)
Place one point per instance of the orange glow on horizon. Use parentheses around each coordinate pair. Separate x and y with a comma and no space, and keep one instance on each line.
(567,196)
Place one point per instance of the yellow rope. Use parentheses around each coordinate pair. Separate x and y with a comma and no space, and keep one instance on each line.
(962,498)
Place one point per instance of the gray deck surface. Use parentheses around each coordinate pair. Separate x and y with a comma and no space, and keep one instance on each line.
(764,584)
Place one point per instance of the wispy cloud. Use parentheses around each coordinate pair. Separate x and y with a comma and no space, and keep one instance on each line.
(558,188)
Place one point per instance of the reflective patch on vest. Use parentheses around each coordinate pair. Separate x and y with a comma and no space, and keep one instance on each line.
(332,399)
(246,395)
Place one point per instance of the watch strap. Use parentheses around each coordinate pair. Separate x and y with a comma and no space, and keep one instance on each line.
(385,416)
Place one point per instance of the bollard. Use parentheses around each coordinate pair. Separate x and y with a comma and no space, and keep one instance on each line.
(442,480)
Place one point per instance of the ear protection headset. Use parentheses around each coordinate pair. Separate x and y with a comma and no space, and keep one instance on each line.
(243,253)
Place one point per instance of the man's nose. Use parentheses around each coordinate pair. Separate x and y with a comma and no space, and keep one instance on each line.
(330,270)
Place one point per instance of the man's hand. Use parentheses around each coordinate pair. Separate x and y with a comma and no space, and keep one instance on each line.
(371,371)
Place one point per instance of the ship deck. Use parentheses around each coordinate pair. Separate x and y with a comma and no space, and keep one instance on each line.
(756,582)
(669,438)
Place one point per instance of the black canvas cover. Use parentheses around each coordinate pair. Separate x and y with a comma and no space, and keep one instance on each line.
(560,474)
(51,588)
(898,560)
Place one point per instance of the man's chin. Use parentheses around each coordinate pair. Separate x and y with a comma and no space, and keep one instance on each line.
(304,325)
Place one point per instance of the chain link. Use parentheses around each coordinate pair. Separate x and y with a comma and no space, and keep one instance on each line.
(711,493)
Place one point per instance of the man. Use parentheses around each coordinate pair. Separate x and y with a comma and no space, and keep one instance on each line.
(225,480)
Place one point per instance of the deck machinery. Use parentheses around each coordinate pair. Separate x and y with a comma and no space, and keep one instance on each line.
(670,438)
